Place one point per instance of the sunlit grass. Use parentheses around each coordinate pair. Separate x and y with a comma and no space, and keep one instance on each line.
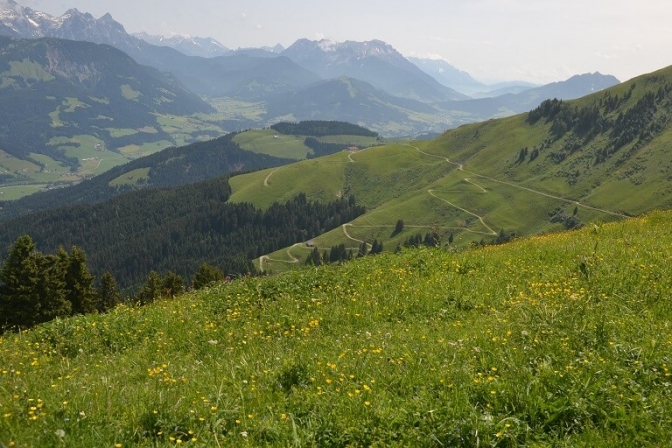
(558,340)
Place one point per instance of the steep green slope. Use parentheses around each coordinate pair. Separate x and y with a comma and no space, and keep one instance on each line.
(559,340)
(601,157)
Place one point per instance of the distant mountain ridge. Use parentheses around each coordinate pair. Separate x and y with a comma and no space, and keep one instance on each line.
(425,102)
(216,76)
(346,99)
(575,87)
(374,62)
(19,21)
(206,47)
(449,75)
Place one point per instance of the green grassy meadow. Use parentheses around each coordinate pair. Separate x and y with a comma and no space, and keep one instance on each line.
(18,191)
(414,182)
(268,141)
(131,178)
(557,340)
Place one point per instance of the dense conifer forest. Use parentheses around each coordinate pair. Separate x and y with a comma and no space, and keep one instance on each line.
(322,128)
(178,229)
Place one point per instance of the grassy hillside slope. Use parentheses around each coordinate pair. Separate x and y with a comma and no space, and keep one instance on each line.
(559,340)
(602,157)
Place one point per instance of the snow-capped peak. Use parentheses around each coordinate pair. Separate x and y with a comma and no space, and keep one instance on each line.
(24,21)
(193,46)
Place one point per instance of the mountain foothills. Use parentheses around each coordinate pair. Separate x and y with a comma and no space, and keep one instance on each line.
(170,167)
(246,151)
(130,233)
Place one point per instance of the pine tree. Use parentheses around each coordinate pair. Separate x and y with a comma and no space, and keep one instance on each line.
(399,227)
(151,291)
(108,294)
(34,288)
(207,275)
(363,249)
(376,247)
(314,258)
(79,283)
(20,274)
(172,285)
(52,287)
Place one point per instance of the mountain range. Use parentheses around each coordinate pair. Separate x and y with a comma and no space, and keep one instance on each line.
(374,62)
(206,47)
(368,83)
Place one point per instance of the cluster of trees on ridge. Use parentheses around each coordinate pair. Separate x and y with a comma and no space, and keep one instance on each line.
(321,148)
(340,253)
(639,124)
(319,128)
(36,288)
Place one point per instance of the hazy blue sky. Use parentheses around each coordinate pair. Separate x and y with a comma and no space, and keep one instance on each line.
(536,40)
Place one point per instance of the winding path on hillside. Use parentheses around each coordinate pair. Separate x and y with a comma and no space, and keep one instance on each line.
(469,181)
(351,153)
(292,260)
(269,176)
(98,166)
(347,235)
(480,218)
(520,187)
